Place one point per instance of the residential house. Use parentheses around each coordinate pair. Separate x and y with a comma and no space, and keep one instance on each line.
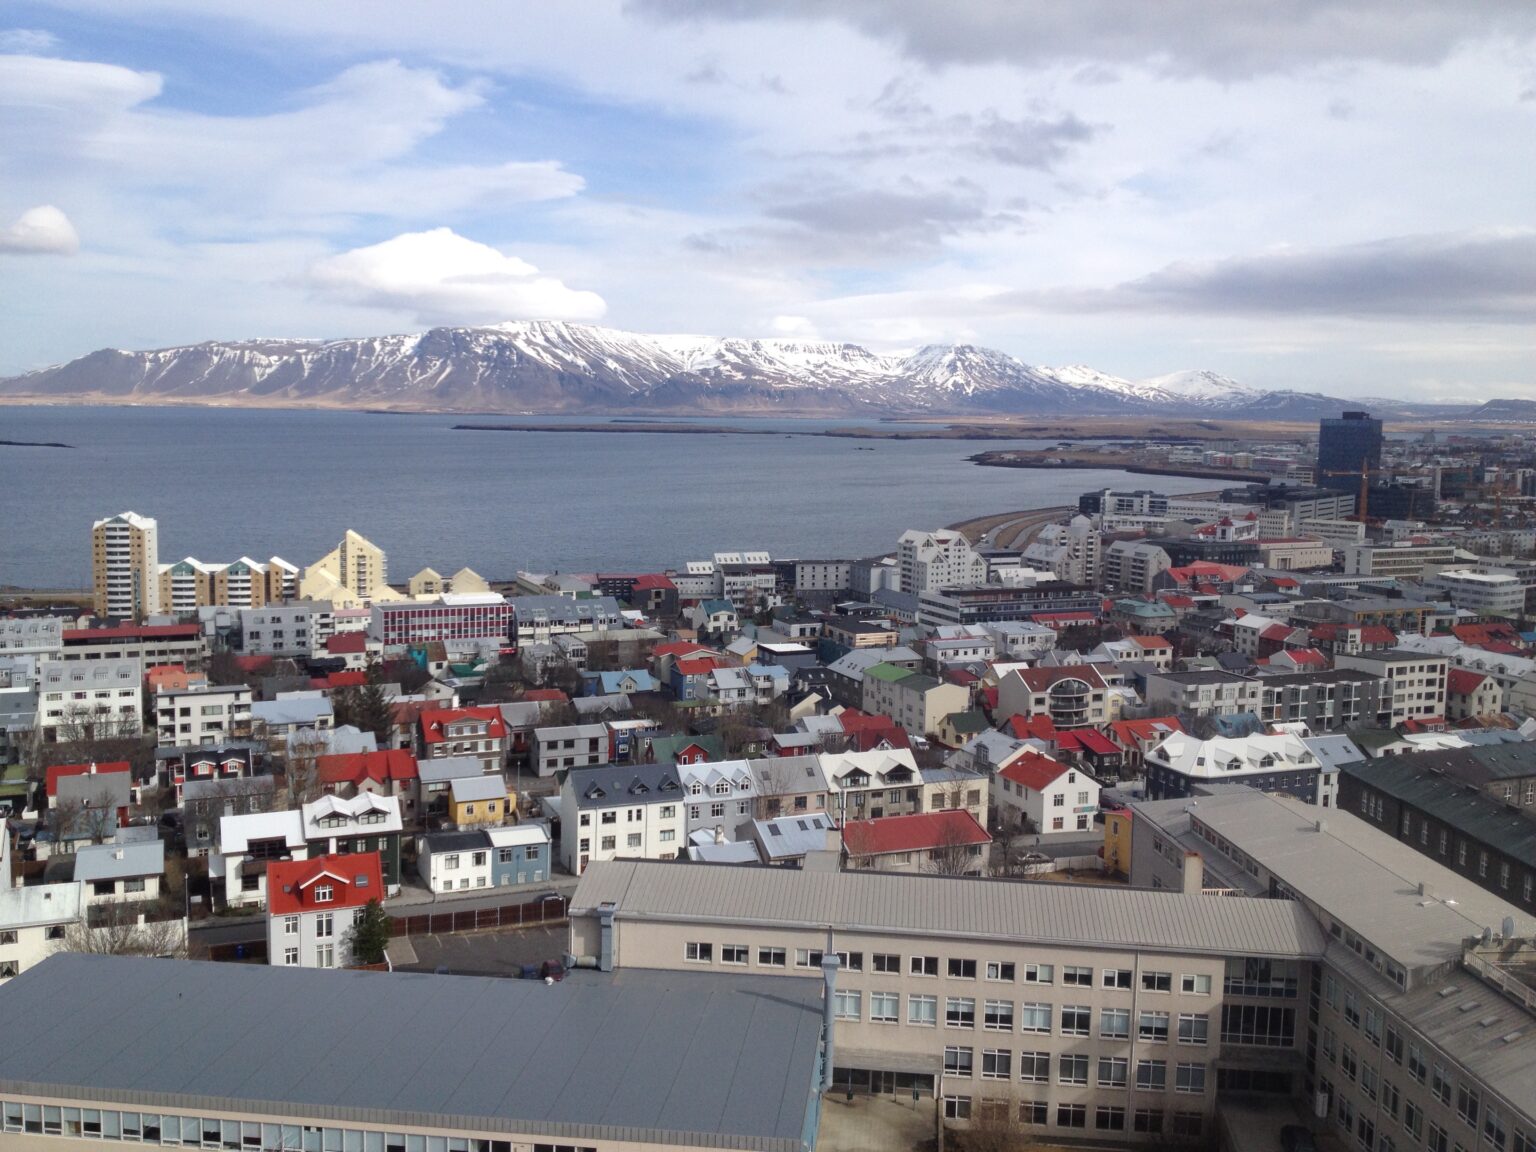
(988,751)
(1469,694)
(86,700)
(789,786)
(34,922)
(436,777)
(691,676)
(1076,696)
(721,797)
(622,681)
(1046,796)
(539,619)
(206,801)
(959,728)
(1336,639)
(786,841)
(951,786)
(655,748)
(130,872)
(455,861)
(177,767)
(852,632)
(302,717)
(356,825)
(715,618)
(189,717)
(520,854)
(948,843)
(870,785)
(477,732)
(314,905)
(246,844)
(917,702)
(477,800)
(730,688)
(633,810)
(1182,765)
(1136,736)
(86,806)
(393,772)
(569,746)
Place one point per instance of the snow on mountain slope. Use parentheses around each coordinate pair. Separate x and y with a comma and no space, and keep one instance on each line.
(1202,386)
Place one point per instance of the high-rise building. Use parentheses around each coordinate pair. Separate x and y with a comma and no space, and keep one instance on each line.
(350,575)
(934,560)
(1347,446)
(125,568)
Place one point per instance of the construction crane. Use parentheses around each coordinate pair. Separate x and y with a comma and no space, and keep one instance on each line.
(1365,475)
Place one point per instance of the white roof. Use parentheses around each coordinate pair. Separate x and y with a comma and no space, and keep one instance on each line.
(236,832)
(532,832)
(1220,757)
(736,772)
(485,787)
(351,808)
(471,599)
(876,763)
(40,904)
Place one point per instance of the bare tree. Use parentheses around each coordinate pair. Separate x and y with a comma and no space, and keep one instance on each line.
(128,928)
(64,818)
(82,725)
(98,816)
(301,770)
(953,855)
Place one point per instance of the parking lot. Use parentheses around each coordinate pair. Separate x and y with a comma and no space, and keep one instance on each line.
(487,953)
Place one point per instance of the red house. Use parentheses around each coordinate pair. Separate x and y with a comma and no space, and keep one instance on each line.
(312,905)
(949,842)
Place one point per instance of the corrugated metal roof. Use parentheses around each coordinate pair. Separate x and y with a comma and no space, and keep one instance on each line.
(638,1057)
(1060,914)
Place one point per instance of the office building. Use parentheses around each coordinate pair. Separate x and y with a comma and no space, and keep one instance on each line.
(125,567)
(1346,447)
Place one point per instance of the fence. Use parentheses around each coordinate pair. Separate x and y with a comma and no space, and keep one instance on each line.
(549,909)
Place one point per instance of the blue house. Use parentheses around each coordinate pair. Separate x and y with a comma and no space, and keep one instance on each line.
(519,854)
(619,682)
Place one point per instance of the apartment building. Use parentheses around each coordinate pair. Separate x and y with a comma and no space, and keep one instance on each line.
(88,700)
(721,797)
(353,574)
(614,812)
(1183,765)
(1134,566)
(312,906)
(190,584)
(935,560)
(1072,1012)
(1203,693)
(915,701)
(1324,700)
(356,826)
(1415,682)
(1075,696)
(125,567)
(149,644)
(994,603)
(1072,551)
(190,717)
(292,628)
(830,577)
(1496,595)
(477,732)
(484,616)
(41,637)
(539,619)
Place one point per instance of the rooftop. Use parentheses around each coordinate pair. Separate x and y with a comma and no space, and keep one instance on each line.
(633,1057)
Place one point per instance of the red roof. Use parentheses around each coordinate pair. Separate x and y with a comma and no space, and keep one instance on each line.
(343,643)
(1095,742)
(1174,600)
(677,648)
(654,580)
(57,772)
(1040,727)
(1463,681)
(953,827)
(1154,728)
(867,731)
(1377,634)
(1276,632)
(1039,679)
(962,676)
(433,723)
(546,696)
(1147,642)
(253,663)
(353,678)
(1034,771)
(354,880)
(354,768)
(133,632)
(699,666)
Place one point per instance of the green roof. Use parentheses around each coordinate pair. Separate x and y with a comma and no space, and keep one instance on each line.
(967,722)
(890,673)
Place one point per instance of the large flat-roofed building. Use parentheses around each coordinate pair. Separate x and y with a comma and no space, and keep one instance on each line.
(991,603)
(267,1059)
(1068,1008)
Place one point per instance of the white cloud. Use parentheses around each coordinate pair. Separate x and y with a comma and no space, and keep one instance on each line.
(440,277)
(41,231)
(27,40)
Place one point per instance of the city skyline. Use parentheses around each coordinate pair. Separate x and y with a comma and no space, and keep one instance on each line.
(1335,201)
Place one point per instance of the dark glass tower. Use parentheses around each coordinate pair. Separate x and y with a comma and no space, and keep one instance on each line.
(1347,445)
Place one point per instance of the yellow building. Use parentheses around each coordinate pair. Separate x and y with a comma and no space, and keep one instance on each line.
(428,582)
(468,580)
(1117,841)
(190,584)
(352,574)
(475,801)
(125,567)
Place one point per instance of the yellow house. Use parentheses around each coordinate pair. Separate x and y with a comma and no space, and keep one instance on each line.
(474,801)
(426,583)
(1117,841)
(468,580)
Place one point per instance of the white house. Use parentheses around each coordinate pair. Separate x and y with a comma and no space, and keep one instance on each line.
(247,843)
(614,811)
(189,717)
(85,699)
(130,872)
(32,922)
(314,905)
(454,861)
(719,796)
(336,824)
(1056,799)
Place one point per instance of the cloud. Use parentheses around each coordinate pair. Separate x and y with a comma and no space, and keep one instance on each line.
(27,41)
(40,231)
(1182,37)
(441,277)
(1487,276)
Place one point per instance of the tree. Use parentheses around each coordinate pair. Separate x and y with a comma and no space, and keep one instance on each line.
(301,770)
(366,707)
(953,855)
(369,935)
(98,816)
(128,928)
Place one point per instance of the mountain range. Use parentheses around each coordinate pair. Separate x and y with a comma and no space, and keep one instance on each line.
(554,367)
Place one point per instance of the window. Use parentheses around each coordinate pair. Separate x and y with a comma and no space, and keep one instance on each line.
(325,926)
(923,1010)
(1190,1079)
(1034,1018)
(996,1064)
(1413,1119)
(1116,978)
(290,925)
(1151,1075)
(291,957)
(886,962)
(1466,1105)
(699,953)
(733,953)
(884,1007)
(1438,1141)
(324,894)
(1188,1125)
(961,969)
(1393,1045)
(1080,977)
(957,1061)
(1072,1115)
(666,835)
(1115,1024)
(1072,1069)
(1152,1026)
(1148,1120)
(997,1015)
(959,1012)
(1193,1027)
(1076,1020)
(957,1107)
(1113,1071)
(1034,1112)
(1000,970)
(1109,1117)
(1493,1127)
(1416,1066)
(1156,981)
(847,1004)
(770,958)
(1441,1085)
(635,839)
(925,966)
(808,957)
(325,956)
(1035,1067)
(1195,985)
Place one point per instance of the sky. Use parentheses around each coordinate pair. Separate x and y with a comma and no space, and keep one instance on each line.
(1325,195)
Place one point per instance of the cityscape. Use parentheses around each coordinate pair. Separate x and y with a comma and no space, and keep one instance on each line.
(658,576)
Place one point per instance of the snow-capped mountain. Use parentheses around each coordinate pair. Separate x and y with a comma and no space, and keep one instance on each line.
(549,366)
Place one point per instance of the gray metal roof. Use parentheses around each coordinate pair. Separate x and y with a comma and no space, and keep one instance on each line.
(902,904)
(478,788)
(620,785)
(120,861)
(666,1058)
(1412,779)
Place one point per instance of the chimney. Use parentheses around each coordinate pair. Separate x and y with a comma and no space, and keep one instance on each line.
(829,965)
(605,914)
(91,771)
(1424,888)
(719,833)
(1320,826)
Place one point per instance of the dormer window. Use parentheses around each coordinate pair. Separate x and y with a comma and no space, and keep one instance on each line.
(722,788)
(324,893)
(695,789)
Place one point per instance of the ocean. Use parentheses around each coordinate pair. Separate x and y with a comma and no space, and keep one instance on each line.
(226,483)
